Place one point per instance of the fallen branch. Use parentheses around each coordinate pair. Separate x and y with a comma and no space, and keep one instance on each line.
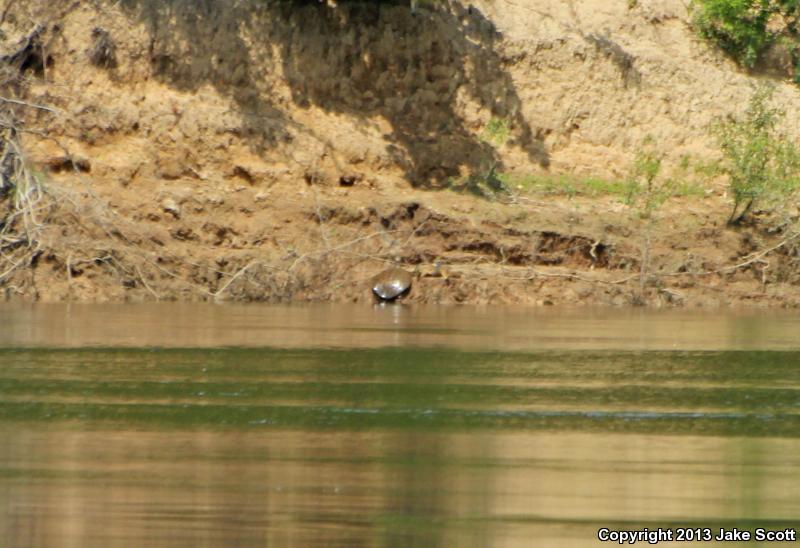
(758,256)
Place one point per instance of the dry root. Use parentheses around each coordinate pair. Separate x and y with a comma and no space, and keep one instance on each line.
(24,205)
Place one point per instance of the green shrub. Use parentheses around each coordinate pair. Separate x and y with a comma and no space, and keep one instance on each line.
(646,189)
(762,165)
(744,28)
(738,26)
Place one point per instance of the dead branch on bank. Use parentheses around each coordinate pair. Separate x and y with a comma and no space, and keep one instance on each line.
(23,200)
(24,203)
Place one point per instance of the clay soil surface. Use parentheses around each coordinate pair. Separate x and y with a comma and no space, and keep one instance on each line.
(287,154)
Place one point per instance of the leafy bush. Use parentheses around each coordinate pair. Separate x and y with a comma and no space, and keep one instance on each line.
(737,26)
(745,28)
(761,163)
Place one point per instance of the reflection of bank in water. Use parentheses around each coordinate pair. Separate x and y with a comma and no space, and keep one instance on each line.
(394,439)
(403,446)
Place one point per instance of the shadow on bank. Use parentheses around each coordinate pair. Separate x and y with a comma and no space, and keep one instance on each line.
(362,59)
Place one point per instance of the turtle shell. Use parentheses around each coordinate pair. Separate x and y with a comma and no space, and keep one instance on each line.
(391,284)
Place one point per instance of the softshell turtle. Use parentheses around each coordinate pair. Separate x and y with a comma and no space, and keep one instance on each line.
(391,284)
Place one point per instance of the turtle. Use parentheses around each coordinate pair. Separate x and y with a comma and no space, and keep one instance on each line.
(391,284)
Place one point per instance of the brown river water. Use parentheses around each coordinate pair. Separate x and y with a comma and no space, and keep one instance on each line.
(246,425)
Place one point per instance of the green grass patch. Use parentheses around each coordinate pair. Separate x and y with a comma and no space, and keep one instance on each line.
(572,186)
(688,189)
(563,185)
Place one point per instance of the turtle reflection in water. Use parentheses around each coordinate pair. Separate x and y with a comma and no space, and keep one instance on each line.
(391,284)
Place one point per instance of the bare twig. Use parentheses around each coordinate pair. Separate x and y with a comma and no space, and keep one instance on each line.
(753,258)
(645,262)
(196,287)
(15,265)
(241,271)
(322,231)
(533,274)
(8,7)
(758,256)
(322,253)
(144,283)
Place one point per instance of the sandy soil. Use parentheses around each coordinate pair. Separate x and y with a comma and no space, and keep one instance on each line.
(262,152)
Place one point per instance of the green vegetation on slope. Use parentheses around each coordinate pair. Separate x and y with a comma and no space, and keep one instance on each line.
(761,163)
(745,29)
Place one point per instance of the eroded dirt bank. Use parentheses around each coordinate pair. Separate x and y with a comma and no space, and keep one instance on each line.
(206,150)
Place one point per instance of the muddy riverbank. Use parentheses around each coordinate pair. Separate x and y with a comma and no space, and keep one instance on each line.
(288,153)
